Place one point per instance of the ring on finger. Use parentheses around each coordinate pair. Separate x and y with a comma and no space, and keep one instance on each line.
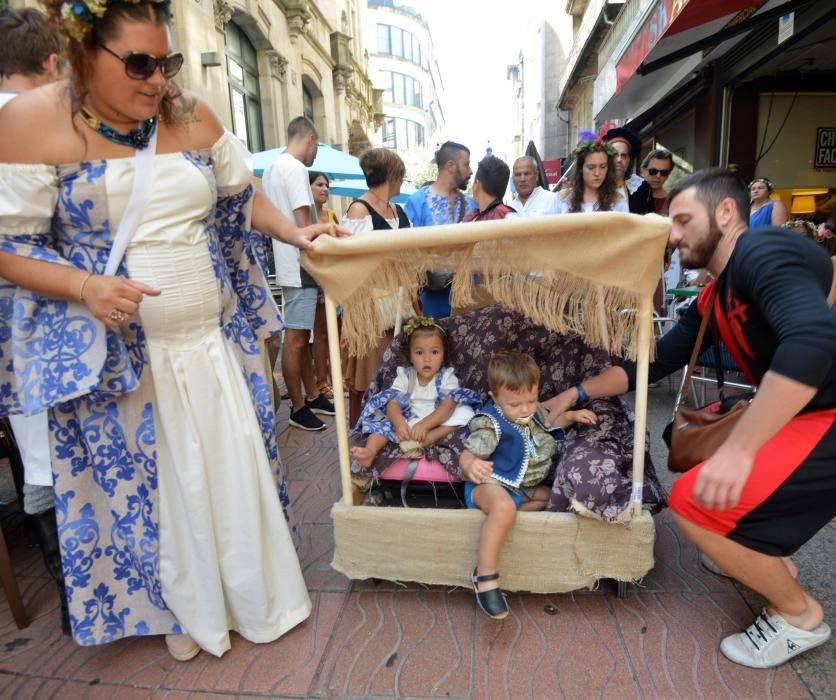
(116,314)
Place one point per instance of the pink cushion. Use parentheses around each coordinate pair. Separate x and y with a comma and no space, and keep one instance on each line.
(427,471)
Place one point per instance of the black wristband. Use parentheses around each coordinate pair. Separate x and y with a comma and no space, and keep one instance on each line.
(583,397)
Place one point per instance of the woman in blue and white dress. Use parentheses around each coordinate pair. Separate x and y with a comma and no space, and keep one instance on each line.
(170,499)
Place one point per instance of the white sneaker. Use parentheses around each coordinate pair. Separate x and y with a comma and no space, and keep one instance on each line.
(770,641)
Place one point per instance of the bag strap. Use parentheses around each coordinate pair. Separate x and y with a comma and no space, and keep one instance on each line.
(718,363)
(462,202)
(706,319)
(137,204)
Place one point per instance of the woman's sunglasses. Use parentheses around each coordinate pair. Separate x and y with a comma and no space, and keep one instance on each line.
(141,66)
(655,171)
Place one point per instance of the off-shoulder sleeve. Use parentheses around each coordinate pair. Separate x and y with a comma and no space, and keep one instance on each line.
(50,350)
(242,247)
(232,163)
(28,196)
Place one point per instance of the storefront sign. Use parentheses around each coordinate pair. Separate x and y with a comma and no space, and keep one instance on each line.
(786,27)
(646,38)
(825,147)
(552,168)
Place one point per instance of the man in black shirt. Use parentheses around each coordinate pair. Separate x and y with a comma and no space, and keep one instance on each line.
(772,485)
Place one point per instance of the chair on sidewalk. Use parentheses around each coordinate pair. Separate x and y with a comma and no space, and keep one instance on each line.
(7,575)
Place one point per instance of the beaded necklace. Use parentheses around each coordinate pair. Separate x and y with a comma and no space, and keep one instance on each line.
(136,138)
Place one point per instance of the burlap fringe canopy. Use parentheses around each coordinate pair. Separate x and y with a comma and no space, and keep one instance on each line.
(575,273)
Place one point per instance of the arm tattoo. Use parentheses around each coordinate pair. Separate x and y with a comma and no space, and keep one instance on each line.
(187,110)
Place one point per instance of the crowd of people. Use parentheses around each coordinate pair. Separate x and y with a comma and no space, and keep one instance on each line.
(168,310)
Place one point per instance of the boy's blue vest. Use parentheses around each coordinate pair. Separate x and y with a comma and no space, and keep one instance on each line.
(512,454)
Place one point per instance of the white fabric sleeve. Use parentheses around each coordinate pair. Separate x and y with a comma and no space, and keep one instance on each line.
(449,380)
(560,205)
(28,197)
(232,164)
(401,383)
(297,187)
(358,225)
(621,205)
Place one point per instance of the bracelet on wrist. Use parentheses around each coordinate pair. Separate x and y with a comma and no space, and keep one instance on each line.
(83,284)
(583,397)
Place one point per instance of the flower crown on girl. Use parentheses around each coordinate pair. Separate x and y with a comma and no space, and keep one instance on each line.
(590,142)
(79,16)
(418,322)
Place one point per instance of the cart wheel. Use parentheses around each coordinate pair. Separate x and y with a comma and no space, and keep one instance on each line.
(622,589)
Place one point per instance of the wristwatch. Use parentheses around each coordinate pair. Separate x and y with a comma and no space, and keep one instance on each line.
(583,397)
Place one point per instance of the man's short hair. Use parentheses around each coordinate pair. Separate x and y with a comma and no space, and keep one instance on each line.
(528,159)
(27,40)
(300,127)
(514,371)
(449,150)
(658,154)
(493,174)
(712,186)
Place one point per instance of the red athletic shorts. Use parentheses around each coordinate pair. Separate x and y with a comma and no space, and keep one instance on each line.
(790,494)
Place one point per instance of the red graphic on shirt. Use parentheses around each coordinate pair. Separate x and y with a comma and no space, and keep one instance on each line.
(736,317)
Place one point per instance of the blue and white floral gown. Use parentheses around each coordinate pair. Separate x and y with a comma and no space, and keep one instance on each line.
(162,436)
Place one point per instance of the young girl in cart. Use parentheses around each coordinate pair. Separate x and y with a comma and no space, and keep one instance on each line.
(509,453)
(425,402)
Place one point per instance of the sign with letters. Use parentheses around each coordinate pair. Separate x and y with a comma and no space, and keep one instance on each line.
(825,147)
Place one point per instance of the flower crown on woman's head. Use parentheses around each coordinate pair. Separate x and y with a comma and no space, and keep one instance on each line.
(79,16)
(590,142)
(419,322)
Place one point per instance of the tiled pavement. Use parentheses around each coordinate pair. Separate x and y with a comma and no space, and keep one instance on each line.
(387,640)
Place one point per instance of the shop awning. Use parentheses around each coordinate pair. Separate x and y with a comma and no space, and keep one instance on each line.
(671,42)
(669,18)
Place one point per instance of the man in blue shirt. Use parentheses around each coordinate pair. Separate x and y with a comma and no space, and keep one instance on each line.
(442,202)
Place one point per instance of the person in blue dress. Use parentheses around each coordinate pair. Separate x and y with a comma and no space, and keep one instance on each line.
(765,211)
(172,511)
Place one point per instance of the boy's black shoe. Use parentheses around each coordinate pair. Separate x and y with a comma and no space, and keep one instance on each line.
(305,419)
(321,405)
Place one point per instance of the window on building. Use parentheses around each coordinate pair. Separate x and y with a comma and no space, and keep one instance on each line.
(307,102)
(402,134)
(402,90)
(384,45)
(389,133)
(394,41)
(244,96)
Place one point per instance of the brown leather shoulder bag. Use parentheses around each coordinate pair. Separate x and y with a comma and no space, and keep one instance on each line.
(697,433)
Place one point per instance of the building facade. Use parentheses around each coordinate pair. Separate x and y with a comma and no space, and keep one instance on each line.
(260,63)
(402,64)
(537,115)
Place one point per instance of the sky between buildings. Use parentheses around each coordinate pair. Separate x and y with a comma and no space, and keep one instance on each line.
(475,42)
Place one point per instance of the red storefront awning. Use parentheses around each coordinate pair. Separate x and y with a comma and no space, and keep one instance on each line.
(667,18)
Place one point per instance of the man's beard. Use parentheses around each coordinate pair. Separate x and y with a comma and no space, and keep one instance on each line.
(700,254)
(461,181)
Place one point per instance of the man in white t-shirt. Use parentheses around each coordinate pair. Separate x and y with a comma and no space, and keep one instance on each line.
(531,199)
(31,56)
(286,184)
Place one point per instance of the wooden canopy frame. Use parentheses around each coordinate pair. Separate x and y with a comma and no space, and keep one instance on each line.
(590,274)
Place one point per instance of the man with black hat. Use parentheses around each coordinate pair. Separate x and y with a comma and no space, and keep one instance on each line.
(638,192)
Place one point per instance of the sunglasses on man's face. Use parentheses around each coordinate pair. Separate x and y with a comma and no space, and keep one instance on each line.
(655,171)
(141,66)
